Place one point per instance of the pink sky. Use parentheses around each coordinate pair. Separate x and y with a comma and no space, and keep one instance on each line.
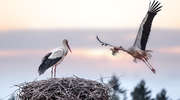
(48,14)
(29,28)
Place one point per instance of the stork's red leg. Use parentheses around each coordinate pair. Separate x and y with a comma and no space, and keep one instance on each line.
(149,65)
(146,64)
(152,69)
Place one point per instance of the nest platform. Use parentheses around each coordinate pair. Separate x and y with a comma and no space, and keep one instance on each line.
(63,89)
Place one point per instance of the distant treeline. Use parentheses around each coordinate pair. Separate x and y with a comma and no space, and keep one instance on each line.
(140,91)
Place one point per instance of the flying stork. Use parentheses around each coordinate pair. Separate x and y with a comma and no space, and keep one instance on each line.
(138,50)
(53,58)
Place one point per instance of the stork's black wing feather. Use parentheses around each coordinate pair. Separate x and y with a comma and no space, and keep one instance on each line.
(147,25)
(103,43)
(47,63)
(145,28)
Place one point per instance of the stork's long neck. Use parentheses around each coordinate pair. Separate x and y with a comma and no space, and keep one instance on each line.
(125,50)
(65,48)
(121,48)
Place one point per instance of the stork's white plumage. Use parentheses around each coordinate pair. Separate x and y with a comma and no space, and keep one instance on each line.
(138,50)
(53,58)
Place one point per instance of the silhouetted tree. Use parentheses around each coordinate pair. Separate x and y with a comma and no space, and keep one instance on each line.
(115,84)
(141,92)
(162,95)
(124,96)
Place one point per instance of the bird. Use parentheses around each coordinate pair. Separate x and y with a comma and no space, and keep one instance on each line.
(53,58)
(138,50)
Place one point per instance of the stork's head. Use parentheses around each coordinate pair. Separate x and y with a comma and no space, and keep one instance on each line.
(65,41)
(121,48)
(115,50)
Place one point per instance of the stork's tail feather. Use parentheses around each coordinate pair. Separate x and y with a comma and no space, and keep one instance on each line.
(42,69)
(154,7)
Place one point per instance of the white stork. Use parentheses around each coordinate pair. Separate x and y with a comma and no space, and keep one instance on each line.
(138,50)
(53,58)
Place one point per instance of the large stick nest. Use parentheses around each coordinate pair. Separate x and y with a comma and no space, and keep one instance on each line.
(63,89)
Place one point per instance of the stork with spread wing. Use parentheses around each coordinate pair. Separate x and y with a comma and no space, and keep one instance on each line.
(138,50)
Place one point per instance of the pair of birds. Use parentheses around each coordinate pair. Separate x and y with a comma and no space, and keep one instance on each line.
(137,51)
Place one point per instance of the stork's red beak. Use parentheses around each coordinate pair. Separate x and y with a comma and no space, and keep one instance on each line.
(69,47)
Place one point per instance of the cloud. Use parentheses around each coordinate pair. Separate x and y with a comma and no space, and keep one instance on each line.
(170,50)
(84,53)
(15,53)
(98,53)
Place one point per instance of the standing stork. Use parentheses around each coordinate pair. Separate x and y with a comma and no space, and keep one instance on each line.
(53,58)
(138,50)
